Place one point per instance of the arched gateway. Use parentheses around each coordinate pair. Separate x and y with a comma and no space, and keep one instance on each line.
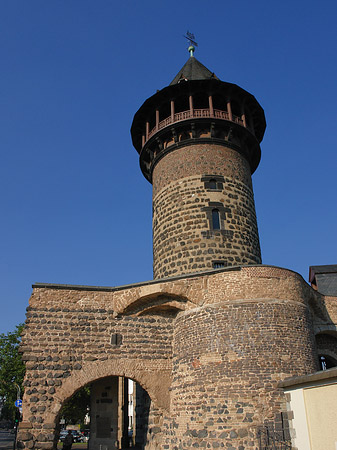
(212,336)
(154,381)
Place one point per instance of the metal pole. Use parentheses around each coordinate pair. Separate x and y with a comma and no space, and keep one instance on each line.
(15,436)
(18,391)
(18,394)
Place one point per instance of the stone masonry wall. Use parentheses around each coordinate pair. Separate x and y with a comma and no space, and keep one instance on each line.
(65,348)
(231,356)
(210,369)
(331,306)
(183,238)
(200,159)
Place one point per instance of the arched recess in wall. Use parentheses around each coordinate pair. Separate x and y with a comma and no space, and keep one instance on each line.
(155,382)
(164,304)
(326,343)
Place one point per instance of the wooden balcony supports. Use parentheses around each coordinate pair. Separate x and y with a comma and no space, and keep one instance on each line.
(147,128)
(190,101)
(172,111)
(193,113)
(229,109)
(210,102)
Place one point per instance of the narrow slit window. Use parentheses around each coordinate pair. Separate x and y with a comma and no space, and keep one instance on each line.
(212,184)
(116,339)
(215,219)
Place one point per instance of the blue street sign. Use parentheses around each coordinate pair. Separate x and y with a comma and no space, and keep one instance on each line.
(18,403)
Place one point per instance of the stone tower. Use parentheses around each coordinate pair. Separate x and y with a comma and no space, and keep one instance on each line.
(208,349)
(198,141)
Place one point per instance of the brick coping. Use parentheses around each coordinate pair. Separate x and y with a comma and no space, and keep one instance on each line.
(157,281)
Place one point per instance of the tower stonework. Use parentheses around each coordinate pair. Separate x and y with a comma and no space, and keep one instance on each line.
(211,339)
(198,141)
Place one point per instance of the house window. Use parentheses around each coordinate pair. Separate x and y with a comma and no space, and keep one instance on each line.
(215,219)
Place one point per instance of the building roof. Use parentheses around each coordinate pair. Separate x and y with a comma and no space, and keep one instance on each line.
(325,278)
(193,70)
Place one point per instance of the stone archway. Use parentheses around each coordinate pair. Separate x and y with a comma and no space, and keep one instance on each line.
(155,381)
(326,342)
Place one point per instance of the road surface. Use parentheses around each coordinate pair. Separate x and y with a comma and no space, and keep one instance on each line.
(6,440)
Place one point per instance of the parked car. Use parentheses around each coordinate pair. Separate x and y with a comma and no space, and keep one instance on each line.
(85,436)
(63,434)
(77,436)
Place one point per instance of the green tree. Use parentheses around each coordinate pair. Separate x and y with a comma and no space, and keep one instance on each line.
(76,408)
(12,371)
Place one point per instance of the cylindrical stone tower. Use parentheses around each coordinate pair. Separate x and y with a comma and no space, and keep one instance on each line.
(198,141)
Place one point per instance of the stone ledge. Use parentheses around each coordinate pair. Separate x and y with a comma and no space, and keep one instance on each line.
(322,375)
(25,425)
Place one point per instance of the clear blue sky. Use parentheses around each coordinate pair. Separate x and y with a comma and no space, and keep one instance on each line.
(74,206)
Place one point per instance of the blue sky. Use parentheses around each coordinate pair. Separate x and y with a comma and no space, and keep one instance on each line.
(75,206)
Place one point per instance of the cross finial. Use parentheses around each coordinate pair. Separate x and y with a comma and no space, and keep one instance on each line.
(191,38)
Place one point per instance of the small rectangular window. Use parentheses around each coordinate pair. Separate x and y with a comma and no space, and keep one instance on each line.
(116,339)
(213,182)
(218,264)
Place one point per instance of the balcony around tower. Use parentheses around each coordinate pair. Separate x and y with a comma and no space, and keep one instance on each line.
(198,111)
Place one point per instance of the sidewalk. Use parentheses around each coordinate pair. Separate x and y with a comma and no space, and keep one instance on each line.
(75,446)
(84,445)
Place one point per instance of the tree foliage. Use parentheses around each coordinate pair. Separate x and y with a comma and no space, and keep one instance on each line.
(12,371)
(76,408)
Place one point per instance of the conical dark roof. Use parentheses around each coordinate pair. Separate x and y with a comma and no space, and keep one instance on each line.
(193,70)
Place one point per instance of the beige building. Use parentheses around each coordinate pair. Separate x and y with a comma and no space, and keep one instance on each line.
(313,402)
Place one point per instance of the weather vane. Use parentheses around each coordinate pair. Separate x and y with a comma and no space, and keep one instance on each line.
(191,38)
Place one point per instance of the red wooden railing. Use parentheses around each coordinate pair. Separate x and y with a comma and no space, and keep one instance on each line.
(196,113)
